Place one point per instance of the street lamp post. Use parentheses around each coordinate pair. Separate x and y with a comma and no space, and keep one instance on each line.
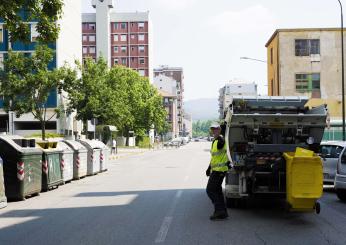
(342,73)
(248,58)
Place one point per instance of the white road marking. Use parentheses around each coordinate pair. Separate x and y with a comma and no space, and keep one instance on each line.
(161,235)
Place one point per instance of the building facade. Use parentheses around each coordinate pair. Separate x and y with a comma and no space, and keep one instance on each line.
(121,38)
(67,49)
(234,88)
(170,105)
(177,74)
(305,62)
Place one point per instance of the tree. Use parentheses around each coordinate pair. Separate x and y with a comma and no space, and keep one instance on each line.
(16,14)
(89,95)
(26,82)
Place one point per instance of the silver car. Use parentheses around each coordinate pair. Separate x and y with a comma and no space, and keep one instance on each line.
(340,177)
(330,153)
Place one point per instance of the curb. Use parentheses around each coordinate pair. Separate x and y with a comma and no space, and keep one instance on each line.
(125,155)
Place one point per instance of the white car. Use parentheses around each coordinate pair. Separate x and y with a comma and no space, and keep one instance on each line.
(330,154)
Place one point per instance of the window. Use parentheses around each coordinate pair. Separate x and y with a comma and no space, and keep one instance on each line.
(115,26)
(141,61)
(92,26)
(34,33)
(133,36)
(123,49)
(141,72)
(1,34)
(92,38)
(116,61)
(133,59)
(141,37)
(123,61)
(141,49)
(116,49)
(331,151)
(141,25)
(85,38)
(123,25)
(85,26)
(115,38)
(123,38)
(306,47)
(85,50)
(307,82)
(92,50)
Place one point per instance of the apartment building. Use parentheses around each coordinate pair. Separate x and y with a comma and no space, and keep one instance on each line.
(67,49)
(177,74)
(167,88)
(232,88)
(121,38)
(305,62)
(170,104)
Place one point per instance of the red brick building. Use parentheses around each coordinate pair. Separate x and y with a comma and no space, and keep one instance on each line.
(121,38)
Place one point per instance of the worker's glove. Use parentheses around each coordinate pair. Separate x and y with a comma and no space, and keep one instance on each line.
(207,172)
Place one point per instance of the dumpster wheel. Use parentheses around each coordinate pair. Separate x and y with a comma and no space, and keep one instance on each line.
(317,207)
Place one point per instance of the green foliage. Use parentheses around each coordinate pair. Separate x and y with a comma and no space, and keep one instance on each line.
(201,128)
(46,12)
(116,96)
(144,142)
(26,83)
(48,135)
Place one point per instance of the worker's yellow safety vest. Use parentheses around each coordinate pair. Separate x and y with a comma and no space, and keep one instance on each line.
(219,159)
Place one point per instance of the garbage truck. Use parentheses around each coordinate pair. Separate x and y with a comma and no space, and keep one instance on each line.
(272,143)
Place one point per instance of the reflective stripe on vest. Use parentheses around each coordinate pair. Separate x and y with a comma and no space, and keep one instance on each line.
(219,158)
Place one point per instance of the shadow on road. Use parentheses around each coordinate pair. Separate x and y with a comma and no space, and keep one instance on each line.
(132,216)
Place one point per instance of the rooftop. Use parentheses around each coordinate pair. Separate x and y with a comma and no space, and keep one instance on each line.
(299,30)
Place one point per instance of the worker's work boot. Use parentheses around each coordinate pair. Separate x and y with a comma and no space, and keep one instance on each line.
(219,215)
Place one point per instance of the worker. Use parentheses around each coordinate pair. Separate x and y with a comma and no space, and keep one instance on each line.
(216,172)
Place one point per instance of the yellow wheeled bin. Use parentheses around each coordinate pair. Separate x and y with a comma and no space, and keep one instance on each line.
(304,180)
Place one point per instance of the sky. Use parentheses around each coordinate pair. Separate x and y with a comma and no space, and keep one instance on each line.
(207,38)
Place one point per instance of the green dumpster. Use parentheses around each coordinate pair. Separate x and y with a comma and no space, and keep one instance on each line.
(22,164)
(3,200)
(51,168)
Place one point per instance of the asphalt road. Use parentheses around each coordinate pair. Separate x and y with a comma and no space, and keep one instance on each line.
(159,198)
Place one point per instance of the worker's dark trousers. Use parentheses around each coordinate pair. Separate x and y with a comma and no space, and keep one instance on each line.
(214,190)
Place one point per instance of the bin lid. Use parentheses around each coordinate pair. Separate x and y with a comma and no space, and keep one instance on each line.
(64,147)
(99,143)
(92,144)
(10,140)
(75,145)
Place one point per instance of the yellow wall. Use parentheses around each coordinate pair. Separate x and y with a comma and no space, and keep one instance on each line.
(273,71)
(333,106)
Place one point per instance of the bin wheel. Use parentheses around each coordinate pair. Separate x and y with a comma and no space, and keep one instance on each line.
(317,207)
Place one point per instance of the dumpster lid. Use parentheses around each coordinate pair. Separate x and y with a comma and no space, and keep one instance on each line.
(10,139)
(99,143)
(75,145)
(92,144)
(64,147)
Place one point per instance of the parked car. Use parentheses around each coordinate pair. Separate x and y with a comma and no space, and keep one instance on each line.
(340,177)
(330,154)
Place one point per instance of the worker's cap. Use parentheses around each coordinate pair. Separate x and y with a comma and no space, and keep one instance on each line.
(215,125)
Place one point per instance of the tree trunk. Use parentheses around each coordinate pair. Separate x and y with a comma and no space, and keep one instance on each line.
(43,128)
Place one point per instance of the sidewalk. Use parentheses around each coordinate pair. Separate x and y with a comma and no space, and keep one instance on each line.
(125,152)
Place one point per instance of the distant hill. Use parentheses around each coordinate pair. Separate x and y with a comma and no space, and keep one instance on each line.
(202,109)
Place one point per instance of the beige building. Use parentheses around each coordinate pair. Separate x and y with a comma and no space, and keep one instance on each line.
(170,104)
(306,62)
